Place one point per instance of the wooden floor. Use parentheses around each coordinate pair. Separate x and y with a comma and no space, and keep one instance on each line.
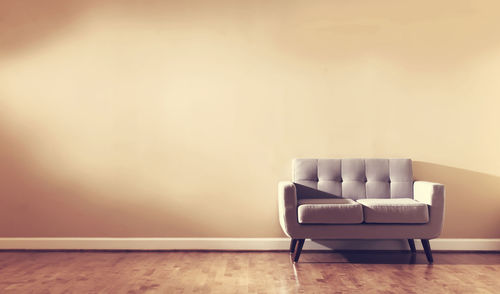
(247,272)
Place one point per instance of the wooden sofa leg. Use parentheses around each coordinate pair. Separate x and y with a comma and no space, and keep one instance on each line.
(292,245)
(427,249)
(298,250)
(411,242)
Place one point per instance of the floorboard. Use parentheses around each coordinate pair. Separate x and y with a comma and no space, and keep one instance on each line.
(247,272)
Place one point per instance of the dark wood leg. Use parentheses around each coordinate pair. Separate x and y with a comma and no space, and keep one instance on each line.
(298,250)
(292,245)
(427,249)
(411,242)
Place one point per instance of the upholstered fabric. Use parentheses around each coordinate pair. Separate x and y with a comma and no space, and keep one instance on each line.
(378,182)
(329,178)
(353,178)
(329,211)
(397,210)
(401,176)
(287,206)
(430,193)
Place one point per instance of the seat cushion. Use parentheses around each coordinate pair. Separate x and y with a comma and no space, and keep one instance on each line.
(329,211)
(397,210)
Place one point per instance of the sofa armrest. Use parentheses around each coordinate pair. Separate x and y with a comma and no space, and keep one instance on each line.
(429,193)
(287,204)
(432,194)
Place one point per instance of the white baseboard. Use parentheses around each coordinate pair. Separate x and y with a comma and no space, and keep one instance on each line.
(234,244)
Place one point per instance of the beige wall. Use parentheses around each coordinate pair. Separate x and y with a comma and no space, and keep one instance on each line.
(165,119)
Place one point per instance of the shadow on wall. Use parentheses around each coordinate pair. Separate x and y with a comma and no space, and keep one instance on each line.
(34,204)
(471,199)
(328,29)
(30,23)
(23,23)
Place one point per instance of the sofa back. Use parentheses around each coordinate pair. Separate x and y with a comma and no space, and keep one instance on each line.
(353,178)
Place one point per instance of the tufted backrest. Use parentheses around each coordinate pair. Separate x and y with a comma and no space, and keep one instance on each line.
(353,178)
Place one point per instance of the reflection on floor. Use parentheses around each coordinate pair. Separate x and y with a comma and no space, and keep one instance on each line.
(399,257)
(247,272)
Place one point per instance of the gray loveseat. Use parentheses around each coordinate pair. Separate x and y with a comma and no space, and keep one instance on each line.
(359,199)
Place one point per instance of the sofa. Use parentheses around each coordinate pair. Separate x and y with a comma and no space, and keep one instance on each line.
(359,198)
